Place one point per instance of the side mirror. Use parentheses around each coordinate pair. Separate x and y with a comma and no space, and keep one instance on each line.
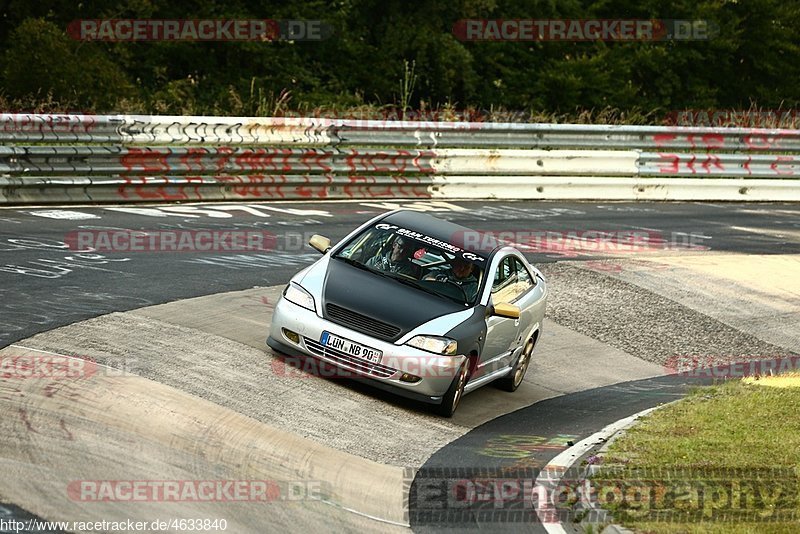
(506,310)
(321,243)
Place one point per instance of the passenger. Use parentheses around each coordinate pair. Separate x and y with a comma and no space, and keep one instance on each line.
(397,259)
(460,274)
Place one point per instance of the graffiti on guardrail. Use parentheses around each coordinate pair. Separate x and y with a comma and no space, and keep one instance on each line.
(144,172)
(279,187)
(781,164)
(282,160)
(673,164)
(749,140)
(48,124)
(320,158)
(161,188)
(400,186)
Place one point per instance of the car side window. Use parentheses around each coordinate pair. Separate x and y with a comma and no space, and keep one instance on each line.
(511,280)
(504,279)
(524,281)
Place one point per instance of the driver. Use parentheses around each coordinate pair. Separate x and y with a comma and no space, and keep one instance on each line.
(397,259)
(461,274)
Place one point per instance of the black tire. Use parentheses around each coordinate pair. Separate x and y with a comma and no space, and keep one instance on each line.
(453,396)
(512,380)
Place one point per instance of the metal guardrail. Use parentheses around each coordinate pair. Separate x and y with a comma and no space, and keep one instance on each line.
(277,131)
(94,160)
(121,158)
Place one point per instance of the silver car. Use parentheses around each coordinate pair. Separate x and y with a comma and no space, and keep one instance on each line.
(416,305)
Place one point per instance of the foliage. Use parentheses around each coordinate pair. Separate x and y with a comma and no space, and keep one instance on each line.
(390,52)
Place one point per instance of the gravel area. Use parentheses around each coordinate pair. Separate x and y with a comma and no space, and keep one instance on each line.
(642,323)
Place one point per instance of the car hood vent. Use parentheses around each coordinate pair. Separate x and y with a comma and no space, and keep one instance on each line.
(361,323)
(377,306)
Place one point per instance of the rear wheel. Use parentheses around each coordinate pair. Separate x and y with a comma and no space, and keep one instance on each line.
(453,396)
(512,380)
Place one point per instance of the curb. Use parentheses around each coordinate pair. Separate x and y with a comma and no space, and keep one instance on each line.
(551,475)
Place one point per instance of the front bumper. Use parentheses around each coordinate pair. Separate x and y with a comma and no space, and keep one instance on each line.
(435,372)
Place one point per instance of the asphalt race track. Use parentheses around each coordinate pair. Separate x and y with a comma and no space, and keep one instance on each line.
(182,387)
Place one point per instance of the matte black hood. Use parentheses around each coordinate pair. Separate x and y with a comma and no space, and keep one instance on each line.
(380,300)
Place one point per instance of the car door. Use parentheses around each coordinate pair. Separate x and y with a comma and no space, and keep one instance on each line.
(529,299)
(501,332)
(513,284)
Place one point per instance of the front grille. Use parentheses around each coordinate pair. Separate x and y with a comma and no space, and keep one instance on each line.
(361,323)
(358,364)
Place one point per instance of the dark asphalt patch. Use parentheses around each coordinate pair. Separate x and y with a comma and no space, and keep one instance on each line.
(457,487)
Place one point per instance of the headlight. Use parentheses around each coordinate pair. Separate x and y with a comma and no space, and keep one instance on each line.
(437,344)
(296,294)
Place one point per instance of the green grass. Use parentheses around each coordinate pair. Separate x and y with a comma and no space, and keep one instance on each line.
(717,528)
(725,459)
(176,98)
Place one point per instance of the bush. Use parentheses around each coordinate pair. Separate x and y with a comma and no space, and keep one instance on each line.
(42,62)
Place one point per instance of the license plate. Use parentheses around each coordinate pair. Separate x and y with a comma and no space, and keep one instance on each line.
(351,348)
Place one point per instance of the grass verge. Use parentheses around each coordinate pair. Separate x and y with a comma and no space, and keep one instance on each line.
(725,459)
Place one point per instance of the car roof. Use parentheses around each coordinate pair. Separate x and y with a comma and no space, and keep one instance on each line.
(455,234)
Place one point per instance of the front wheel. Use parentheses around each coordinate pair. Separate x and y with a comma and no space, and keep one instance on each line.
(453,396)
(512,380)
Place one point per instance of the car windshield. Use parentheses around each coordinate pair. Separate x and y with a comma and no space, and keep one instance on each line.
(416,259)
